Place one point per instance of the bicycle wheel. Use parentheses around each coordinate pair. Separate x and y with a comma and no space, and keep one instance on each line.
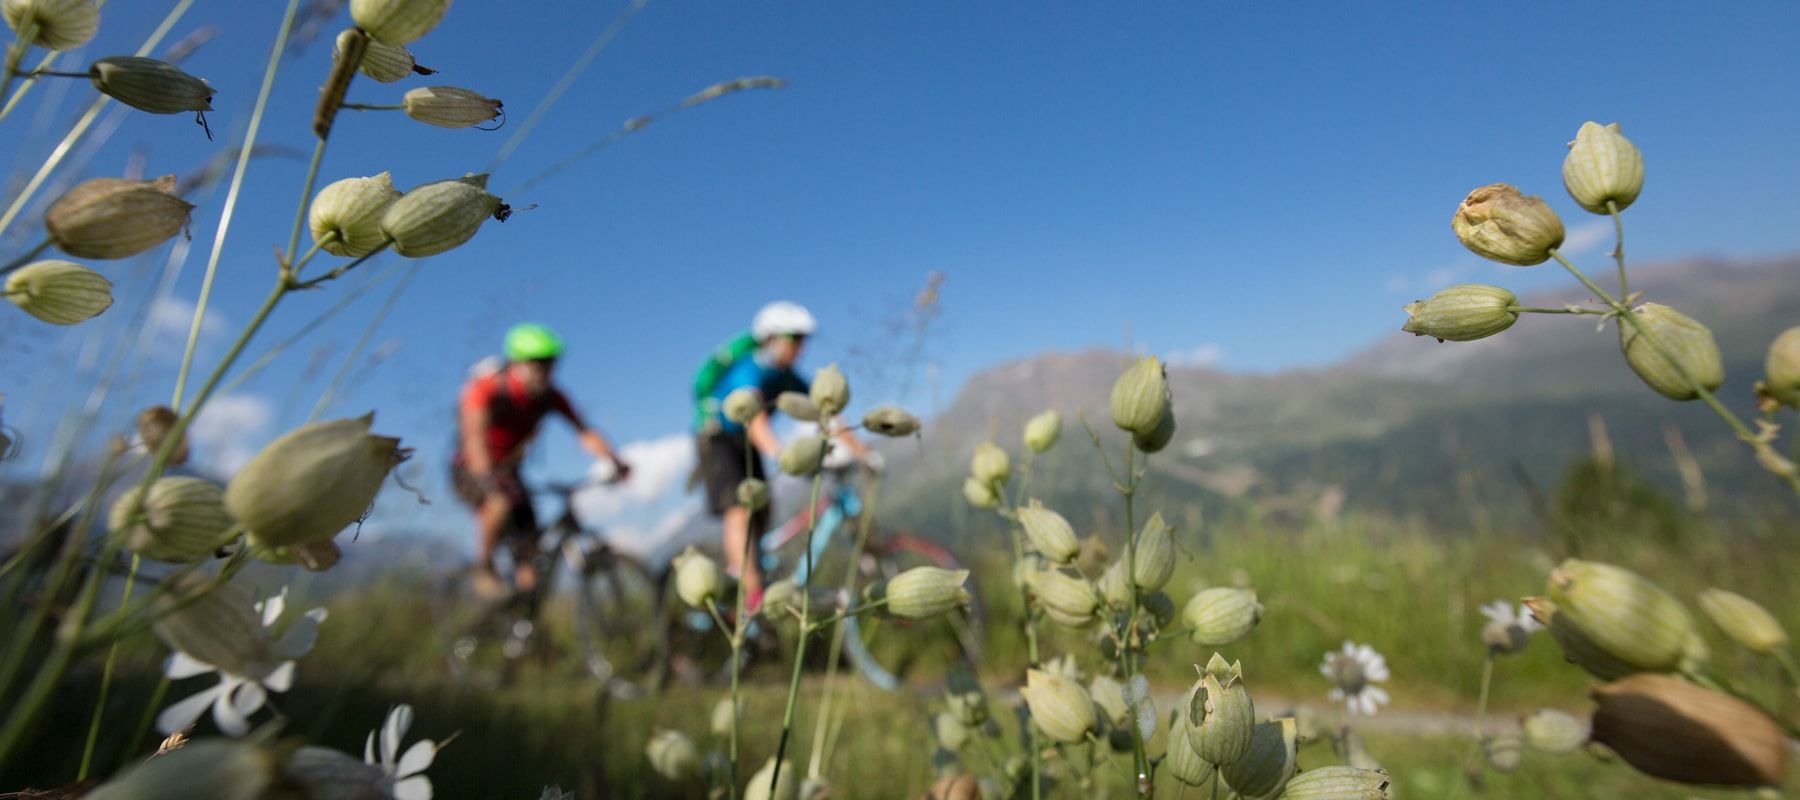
(621,621)
(481,642)
(884,649)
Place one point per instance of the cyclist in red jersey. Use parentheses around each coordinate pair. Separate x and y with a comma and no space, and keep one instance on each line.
(498,415)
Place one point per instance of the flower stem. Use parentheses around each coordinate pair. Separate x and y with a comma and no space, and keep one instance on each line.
(1127,656)
(1619,247)
(1031,642)
(1564,310)
(26,258)
(1755,442)
(1487,678)
(369,107)
(787,714)
(306,191)
(827,706)
(16,51)
(1788,668)
(87,752)
(50,73)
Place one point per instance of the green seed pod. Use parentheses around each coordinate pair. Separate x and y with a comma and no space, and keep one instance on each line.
(1179,757)
(1159,607)
(1744,621)
(1159,437)
(979,494)
(787,788)
(384,62)
(184,520)
(1672,729)
(990,464)
(1603,165)
(449,106)
(697,578)
(216,769)
(803,456)
(1221,615)
(1114,589)
(353,209)
(673,755)
(321,773)
(1503,752)
(58,24)
(742,405)
(1109,698)
(1264,770)
(1781,372)
(723,713)
(950,731)
(1140,397)
(1554,732)
(116,218)
(830,391)
(781,598)
(753,494)
(798,406)
(1221,717)
(1627,616)
(1685,338)
(1500,223)
(1338,783)
(890,421)
(1576,646)
(1155,554)
(59,292)
(926,592)
(312,482)
(1462,313)
(1042,431)
(315,557)
(439,217)
(1059,706)
(215,624)
(1050,535)
(398,22)
(147,84)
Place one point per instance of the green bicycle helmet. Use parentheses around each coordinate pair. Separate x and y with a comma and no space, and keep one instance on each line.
(530,341)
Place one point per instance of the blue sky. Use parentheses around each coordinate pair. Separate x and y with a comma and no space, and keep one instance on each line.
(1260,186)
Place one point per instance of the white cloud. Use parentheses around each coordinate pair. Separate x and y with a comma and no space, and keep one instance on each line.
(1585,237)
(229,431)
(657,466)
(1204,355)
(171,318)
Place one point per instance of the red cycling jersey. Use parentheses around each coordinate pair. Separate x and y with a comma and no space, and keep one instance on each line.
(512,414)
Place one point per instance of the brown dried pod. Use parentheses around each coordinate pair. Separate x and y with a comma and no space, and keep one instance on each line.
(1672,729)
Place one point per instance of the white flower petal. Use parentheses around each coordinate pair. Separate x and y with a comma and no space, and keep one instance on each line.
(416,759)
(228,711)
(298,639)
(1499,611)
(181,665)
(417,787)
(186,710)
(1527,621)
(271,608)
(399,718)
(369,749)
(281,678)
(1375,694)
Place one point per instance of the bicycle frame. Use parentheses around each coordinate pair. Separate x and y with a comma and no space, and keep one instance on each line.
(840,505)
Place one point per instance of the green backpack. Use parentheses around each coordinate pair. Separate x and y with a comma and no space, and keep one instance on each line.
(713,370)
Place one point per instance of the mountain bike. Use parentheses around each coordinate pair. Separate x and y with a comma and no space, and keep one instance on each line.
(880,648)
(612,612)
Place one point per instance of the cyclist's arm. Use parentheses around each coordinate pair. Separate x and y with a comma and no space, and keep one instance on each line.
(591,440)
(474,424)
(848,439)
(762,434)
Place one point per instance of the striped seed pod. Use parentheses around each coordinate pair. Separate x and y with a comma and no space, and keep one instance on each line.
(218,769)
(1155,554)
(1068,601)
(1625,614)
(214,624)
(147,84)
(1603,166)
(980,495)
(1186,765)
(1744,621)
(673,755)
(345,216)
(1576,646)
(384,62)
(439,217)
(1685,338)
(1221,717)
(890,421)
(803,456)
(1338,783)
(1462,313)
(1554,732)
(1042,431)
(312,482)
(1050,535)
(1221,615)
(56,24)
(1781,371)
(59,292)
(990,464)
(183,520)
(830,390)
(1500,223)
(1114,589)
(1672,729)
(1265,769)
(1158,437)
(926,592)
(1059,706)
(116,218)
(450,106)
(798,406)
(398,22)
(1140,397)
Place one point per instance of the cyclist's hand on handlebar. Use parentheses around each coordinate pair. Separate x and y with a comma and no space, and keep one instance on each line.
(621,471)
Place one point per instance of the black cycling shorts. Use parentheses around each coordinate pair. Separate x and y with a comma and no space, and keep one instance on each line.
(723,467)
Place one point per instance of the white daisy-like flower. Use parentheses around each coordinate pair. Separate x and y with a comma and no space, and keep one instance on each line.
(405,772)
(1353,671)
(236,696)
(1507,631)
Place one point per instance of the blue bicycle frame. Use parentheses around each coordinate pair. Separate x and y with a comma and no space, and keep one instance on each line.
(845,504)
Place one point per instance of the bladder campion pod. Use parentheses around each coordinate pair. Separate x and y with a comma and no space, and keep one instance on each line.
(398,22)
(1158,437)
(147,84)
(1672,729)
(217,624)
(1576,646)
(1338,783)
(1068,601)
(753,494)
(980,494)
(312,482)
(1781,371)
(1049,533)
(803,456)
(59,24)
(926,592)
(1500,223)
(1221,615)
(1221,717)
(384,62)
(830,390)
(786,787)
(990,464)
(1155,554)
(1603,166)
(1744,621)
(183,520)
(1186,765)
(1548,730)
(697,578)
(450,106)
(673,755)
(1042,431)
(1462,313)
(441,216)
(1264,770)
(115,217)
(1140,397)
(218,769)
(1692,345)
(1060,706)
(59,292)
(1623,613)
(345,217)
(890,421)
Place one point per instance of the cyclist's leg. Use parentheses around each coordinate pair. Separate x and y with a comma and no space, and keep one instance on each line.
(723,467)
(490,516)
(518,527)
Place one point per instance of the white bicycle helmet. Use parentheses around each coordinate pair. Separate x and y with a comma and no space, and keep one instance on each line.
(782,318)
